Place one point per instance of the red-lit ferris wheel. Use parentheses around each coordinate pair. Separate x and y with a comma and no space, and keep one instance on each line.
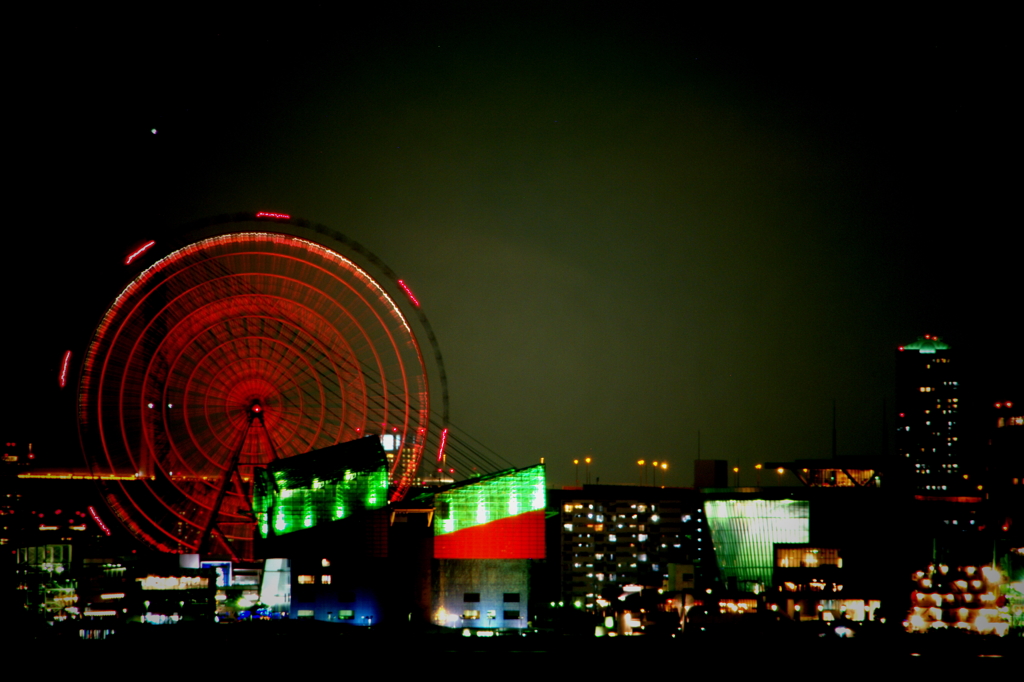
(261,338)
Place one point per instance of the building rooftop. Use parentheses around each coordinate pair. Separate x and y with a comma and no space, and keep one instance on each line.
(926,344)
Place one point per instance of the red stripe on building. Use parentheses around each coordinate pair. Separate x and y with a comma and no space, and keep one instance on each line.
(515,537)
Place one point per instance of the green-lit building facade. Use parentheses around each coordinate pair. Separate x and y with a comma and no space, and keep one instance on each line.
(828,554)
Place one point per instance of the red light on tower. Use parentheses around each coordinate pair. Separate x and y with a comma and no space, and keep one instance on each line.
(281,216)
(138,252)
(64,369)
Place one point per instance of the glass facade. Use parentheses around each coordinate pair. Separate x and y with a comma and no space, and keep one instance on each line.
(744,533)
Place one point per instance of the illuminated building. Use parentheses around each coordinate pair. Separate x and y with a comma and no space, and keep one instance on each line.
(45,586)
(929,435)
(407,453)
(321,486)
(745,532)
(500,516)
(323,516)
(335,572)
(345,586)
(824,552)
(486,532)
(1003,444)
(961,598)
(838,472)
(169,597)
(616,541)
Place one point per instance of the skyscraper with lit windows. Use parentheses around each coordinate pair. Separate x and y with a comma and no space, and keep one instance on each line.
(929,435)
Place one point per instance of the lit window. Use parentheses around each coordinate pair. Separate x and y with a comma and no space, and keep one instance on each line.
(325,579)
(471,614)
(306,580)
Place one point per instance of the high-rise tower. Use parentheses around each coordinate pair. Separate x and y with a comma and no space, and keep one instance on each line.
(929,437)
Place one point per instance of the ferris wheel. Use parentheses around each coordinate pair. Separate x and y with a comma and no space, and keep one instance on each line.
(260,339)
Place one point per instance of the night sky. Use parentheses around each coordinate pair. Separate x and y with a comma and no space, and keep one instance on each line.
(624,227)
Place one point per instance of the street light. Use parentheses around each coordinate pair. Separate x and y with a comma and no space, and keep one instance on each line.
(642,477)
(587,460)
(736,470)
(577,463)
(654,474)
(757,467)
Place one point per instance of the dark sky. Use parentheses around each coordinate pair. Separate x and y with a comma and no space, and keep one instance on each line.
(624,225)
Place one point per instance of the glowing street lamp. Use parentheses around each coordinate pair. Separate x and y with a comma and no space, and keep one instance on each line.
(736,470)
(757,468)
(587,460)
(577,463)
(643,479)
(654,475)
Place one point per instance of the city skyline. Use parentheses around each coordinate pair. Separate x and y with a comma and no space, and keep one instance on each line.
(622,233)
